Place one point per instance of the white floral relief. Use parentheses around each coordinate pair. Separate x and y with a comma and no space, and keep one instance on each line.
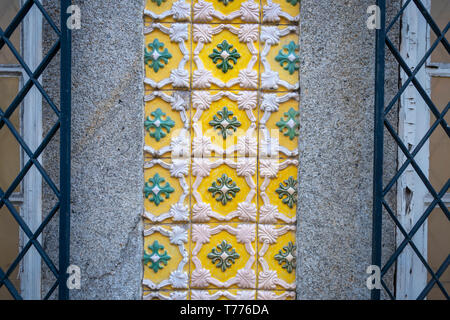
(216,295)
(270,36)
(247,78)
(178,236)
(246,145)
(272,12)
(180,11)
(268,279)
(246,211)
(204,11)
(164,295)
(178,33)
(245,277)
(179,168)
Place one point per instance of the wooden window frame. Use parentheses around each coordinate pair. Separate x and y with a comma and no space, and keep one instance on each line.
(29,199)
(414,121)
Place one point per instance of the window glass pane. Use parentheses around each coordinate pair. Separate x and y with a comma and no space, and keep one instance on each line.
(440,11)
(9,245)
(439,142)
(8,9)
(438,224)
(9,147)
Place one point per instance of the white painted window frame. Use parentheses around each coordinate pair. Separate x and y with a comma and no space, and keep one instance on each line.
(29,200)
(414,121)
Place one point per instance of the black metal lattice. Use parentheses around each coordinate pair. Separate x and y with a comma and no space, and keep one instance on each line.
(62,45)
(381,122)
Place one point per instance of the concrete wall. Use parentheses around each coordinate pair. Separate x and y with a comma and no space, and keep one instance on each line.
(107,144)
(336,147)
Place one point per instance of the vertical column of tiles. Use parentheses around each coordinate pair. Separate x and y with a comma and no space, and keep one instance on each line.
(225,42)
(167,149)
(278,149)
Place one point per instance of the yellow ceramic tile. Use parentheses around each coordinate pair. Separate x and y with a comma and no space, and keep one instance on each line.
(281,11)
(166,188)
(167,10)
(166,55)
(232,294)
(166,124)
(279,125)
(223,256)
(231,11)
(165,295)
(278,184)
(280,60)
(223,190)
(275,295)
(224,123)
(277,254)
(166,257)
(225,56)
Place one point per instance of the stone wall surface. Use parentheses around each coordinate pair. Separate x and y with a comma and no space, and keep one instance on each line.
(107,142)
(336,149)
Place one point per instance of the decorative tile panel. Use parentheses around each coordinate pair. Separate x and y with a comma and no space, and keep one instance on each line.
(224,190)
(225,56)
(166,124)
(223,256)
(278,185)
(224,123)
(277,257)
(166,55)
(166,190)
(166,257)
(279,125)
(221,127)
(280,60)
(233,11)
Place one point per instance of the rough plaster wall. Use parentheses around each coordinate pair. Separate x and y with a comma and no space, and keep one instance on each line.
(336,149)
(107,143)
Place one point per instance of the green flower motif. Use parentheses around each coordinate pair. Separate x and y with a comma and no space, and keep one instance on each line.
(291,123)
(225,56)
(225,188)
(287,257)
(289,191)
(223,256)
(155,258)
(155,191)
(293,2)
(226,2)
(221,121)
(289,60)
(158,2)
(158,123)
(155,57)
